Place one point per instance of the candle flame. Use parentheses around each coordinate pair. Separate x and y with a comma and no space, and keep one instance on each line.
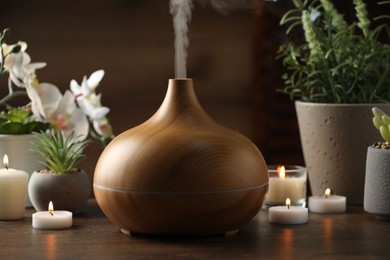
(288,203)
(51,208)
(327,193)
(5,161)
(281,172)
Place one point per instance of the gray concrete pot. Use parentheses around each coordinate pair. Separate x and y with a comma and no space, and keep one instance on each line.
(334,140)
(66,191)
(377,184)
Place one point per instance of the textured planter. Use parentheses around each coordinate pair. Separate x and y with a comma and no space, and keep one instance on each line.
(180,172)
(66,191)
(377,184)
(334,140)
(18,149)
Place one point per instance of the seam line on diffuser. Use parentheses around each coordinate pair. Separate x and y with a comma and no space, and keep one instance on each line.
(181,192)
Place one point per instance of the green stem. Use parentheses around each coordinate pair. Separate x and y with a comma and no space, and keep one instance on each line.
(10,90)
(12,95)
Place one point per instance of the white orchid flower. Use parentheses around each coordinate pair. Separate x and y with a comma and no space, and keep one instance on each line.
(90,103)
(88,86)
(6,49)
(20,67)
(103,127)
(59,111)
(86,97)
(92,106)
(69,118)
(44,98)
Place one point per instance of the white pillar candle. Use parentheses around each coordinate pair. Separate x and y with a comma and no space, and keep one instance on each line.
(52,219)
(328,203)
(288,214)
(13,192)
(290,183)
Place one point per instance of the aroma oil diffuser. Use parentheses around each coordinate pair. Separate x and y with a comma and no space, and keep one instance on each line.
(180,172)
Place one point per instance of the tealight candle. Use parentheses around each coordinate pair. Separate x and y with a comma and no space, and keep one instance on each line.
(328,203)
(286,182)
(13,192)
(52,219)
(288,214)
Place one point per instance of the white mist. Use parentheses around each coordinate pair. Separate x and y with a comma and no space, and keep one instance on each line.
(181,12)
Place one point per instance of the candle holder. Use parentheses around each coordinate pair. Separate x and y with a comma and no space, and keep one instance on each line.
(287,181)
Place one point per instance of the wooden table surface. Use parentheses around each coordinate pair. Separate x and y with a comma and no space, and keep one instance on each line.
(354,234)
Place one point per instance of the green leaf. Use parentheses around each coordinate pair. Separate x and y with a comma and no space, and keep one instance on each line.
(298,3)
(383,2)
(386,119)
(385,133)
(13,118)
(36,127)
(6,32)
(377,123)
(292,26)
(61,154)
(378,113)
(11,128)
(287,16)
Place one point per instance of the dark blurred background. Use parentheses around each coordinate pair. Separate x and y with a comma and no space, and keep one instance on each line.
(231,58)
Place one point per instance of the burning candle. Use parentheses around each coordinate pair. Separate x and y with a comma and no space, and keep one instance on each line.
(52,219)
(288,214)
(286,182)
(328,203)
(13,192)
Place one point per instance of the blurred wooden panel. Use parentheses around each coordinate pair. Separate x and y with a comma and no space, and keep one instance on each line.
(132,40)
(275,121)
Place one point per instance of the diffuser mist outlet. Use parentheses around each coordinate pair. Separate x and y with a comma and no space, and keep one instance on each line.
(180,172)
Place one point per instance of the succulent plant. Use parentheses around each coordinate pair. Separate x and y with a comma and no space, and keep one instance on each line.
(61,154)
(382,123)
(18,121)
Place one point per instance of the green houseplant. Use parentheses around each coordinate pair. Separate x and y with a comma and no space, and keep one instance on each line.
(377,181)
(60,181)
(338,62)
(335,74)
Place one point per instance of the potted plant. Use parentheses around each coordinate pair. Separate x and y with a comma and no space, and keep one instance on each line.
(60,181)
(79,110)
(336,74)
(377,182)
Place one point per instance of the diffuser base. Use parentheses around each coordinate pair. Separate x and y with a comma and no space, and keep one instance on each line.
(191,213)
(226,234)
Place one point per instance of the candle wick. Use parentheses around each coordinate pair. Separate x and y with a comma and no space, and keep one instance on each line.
(51,213)
(6,167)
(288,206)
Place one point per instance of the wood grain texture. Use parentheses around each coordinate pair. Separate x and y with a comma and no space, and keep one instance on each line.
(180,149)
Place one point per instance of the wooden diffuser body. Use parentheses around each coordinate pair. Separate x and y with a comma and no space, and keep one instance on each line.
(180,172)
